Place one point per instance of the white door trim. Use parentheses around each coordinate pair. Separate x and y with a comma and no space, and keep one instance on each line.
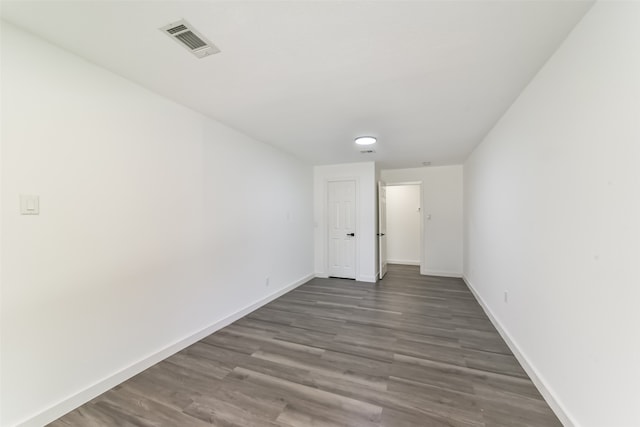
(382,230)
(326,222)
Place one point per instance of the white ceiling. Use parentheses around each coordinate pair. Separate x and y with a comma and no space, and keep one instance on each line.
(429,79)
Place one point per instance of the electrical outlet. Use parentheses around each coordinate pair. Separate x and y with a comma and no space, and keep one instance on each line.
(266,282)
(506,296)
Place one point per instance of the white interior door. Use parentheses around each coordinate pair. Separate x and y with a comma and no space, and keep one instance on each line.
(382,227)
(342,228)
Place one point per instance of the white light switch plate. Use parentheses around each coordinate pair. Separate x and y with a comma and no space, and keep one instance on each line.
(29,205)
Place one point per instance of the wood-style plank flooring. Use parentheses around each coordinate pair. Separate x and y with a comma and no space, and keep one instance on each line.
(410,350)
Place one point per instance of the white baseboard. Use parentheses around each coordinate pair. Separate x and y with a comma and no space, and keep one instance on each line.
(441,273)
(70,403)
(321,275)
(549,396)
(402,262)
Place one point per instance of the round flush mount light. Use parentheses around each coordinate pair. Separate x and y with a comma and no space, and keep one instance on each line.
(365,140)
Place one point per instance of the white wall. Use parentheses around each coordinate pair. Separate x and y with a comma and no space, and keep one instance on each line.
(552,201)
(156,223)
(442,199)
(403,224)
(366,217)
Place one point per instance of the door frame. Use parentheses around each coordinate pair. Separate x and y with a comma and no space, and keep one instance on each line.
(423,238)
(326,222)
(382,262)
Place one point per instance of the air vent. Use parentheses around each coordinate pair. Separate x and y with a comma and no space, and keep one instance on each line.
(192,40)
(177,29)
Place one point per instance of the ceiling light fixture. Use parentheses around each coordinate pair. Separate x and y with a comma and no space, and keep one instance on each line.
(365,140)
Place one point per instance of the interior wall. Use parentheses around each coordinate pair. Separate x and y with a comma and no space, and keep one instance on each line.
(442,215)
(552,208)
(403,224)
(366,216)
(156,223)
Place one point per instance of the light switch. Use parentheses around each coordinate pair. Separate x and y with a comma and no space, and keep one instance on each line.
(29,205)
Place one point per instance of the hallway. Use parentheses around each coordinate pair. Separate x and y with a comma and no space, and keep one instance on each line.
(409,351)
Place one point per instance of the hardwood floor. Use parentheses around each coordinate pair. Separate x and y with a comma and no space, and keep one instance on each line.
(410,350)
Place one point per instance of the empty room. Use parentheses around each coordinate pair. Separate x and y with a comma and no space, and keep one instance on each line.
(320,213)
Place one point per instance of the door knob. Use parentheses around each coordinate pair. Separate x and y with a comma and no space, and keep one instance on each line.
(351,234)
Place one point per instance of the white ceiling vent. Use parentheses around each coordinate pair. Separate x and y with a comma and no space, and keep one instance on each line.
(190,39)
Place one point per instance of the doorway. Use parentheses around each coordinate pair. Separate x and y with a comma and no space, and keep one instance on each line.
(341,213)
(382,229)
(403,224)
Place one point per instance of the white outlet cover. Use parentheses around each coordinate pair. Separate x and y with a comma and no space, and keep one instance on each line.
(29,205)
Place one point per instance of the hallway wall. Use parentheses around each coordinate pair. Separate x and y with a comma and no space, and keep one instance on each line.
(157,226)
(552,212)
(442,216)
